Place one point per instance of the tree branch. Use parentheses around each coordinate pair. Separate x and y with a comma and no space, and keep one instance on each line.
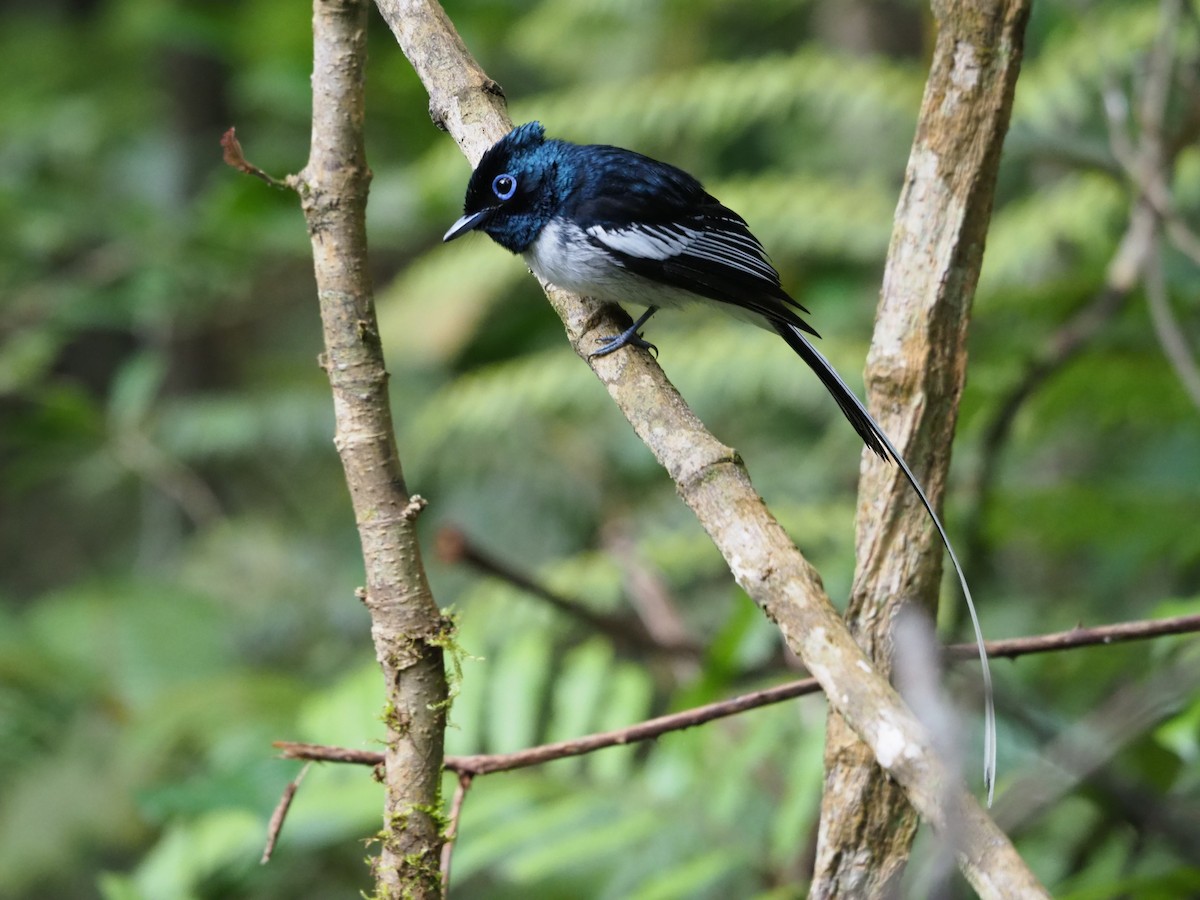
(485,764)
(915,373)
(468,767)
(1146,164)
(1057,351)
(456,805)
(712,481)
(1167,329)
(454,546)
(1098,737)
(406,624)
(1099,635)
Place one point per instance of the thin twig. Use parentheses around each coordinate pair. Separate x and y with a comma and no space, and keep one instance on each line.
(280,813)
(484,764)
(1147,168)
(456,805)
(1182,237)
(1126,798)
(231,149)
(177,481)
(1145,164)
(651,598)
(1056,352)
(1098,737)
(326,753)
(454,546)
(1098,635)
(1167,328)
(634,635)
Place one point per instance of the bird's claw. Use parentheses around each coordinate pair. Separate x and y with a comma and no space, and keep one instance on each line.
(628,337)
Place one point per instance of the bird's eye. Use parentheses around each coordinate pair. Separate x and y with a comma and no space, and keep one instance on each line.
(504,186)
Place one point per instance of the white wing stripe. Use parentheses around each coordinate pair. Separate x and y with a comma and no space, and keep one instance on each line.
(647,243)
(747,264)
(727,248)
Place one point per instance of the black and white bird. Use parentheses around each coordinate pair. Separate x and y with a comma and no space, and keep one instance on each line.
(618,226)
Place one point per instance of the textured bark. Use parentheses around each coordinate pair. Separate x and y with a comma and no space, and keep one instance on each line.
(915,374)
(711,479)
(406,625)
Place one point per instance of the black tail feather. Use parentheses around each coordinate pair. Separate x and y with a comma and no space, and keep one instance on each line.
(875,439)
(862,421)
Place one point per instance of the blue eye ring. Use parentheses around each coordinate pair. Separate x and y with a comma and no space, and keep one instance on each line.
(504,186)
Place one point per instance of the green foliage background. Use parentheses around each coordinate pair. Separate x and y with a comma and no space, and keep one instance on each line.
(177,554)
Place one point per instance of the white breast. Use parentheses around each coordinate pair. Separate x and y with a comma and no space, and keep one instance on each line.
(564,255)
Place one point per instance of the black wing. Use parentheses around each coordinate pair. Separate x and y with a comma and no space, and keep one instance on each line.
(660,223)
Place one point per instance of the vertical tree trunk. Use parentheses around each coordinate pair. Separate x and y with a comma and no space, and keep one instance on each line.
(406,625)
(915,375)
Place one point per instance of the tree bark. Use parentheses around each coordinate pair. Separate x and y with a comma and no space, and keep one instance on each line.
(915,374)
(406,625)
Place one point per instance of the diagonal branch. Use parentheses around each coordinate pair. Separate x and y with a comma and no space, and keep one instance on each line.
(712,480)
(1168,330)
(1147,164)
(1057,351)
(625,632)
(1098,737)
(485,764)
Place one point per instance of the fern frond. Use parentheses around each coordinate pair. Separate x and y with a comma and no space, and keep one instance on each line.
(717,99)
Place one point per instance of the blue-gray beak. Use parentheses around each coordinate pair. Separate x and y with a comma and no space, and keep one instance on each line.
(468,223)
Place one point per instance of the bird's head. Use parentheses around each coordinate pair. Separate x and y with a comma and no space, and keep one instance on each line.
(514,190)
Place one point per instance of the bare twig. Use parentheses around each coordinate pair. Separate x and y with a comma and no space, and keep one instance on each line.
(1167,328)
(1077,332)
(1099,635)
(232,153)
(454,546)
(1182,237)
(649,594)
(1173,815)
(1145,163)
(1055,354)
(1147,167)
(456,805)
(134,449)
(1101,735)
(484,764)
(280,813)
(324,753)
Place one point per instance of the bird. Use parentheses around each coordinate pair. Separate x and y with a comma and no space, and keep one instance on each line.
(618,226)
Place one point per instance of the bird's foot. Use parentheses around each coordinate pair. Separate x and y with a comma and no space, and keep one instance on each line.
(629,337)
